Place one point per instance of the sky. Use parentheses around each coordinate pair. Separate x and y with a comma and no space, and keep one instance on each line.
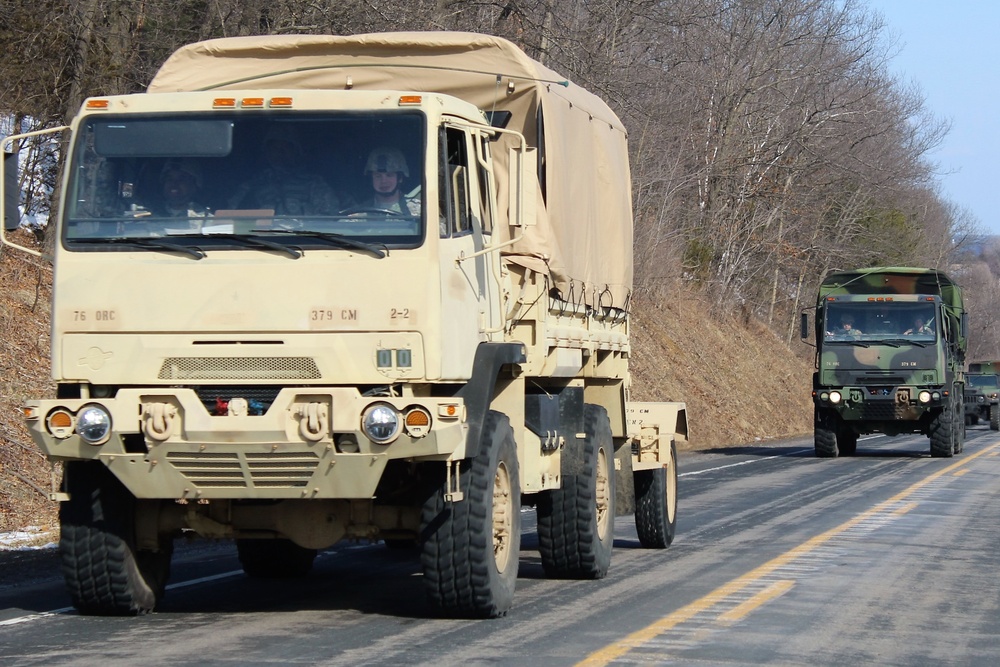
(950,50)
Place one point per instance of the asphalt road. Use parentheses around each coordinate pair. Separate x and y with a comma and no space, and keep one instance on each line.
(886,558)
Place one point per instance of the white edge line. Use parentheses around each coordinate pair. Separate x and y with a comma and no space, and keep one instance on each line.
(766,458)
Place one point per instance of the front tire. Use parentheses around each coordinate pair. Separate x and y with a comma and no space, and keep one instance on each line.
(825,435)
(994,418)
(847,442)
(656,504)
(942,433)
(576,522)
(106,574)
(471,547)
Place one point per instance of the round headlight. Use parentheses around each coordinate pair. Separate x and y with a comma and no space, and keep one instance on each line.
(924,397)
(93,425)
(380,422)
(835,397)
(824,396)
(936,396)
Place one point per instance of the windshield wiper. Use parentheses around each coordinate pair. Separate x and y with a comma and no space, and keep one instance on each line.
(153,243)
(248,239)
(336,239)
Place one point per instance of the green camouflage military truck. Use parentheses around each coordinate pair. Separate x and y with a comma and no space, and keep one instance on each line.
(981,399)
(890,358)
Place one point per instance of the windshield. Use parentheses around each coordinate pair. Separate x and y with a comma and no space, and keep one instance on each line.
(981,380)
(330,180)
(896,321)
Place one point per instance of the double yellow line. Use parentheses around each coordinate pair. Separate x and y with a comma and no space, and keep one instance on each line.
(619,648)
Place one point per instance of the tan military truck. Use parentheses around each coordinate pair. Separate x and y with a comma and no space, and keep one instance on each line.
(314,288)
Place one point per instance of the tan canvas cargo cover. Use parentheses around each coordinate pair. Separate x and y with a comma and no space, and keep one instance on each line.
(583,239)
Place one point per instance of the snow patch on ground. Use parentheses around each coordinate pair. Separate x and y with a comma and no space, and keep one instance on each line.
(31,538)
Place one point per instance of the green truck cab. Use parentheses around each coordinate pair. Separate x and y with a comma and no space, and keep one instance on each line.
(890,358)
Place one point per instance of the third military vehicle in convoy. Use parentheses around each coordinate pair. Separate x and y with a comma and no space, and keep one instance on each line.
(890,358)
(981,399)
(982,393)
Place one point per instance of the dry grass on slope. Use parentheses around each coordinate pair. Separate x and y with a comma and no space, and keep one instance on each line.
(739,381)
(25,290)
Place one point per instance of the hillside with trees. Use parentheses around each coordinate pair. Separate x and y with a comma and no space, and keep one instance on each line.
(769,144)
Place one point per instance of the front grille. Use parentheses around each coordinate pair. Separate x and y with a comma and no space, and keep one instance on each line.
(239,368)
(243,470)
(884,411)
(210,395)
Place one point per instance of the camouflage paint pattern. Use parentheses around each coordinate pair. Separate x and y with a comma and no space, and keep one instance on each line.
(883,361)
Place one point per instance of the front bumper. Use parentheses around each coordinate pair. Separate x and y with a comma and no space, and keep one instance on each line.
(165,443)
(881,404)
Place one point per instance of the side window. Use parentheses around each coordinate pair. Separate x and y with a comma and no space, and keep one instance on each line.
(454,183)
(485,185)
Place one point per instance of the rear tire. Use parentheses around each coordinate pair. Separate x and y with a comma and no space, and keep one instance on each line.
(656,504)
(471,547)
(576,522)
(274,558)
(105,573)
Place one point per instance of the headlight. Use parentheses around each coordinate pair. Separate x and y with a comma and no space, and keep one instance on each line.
(93,425)
(380,422)
(835,397)
(924,397)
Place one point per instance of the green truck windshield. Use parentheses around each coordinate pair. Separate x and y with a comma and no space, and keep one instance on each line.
(880,321)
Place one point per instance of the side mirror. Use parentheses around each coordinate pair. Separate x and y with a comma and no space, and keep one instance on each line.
(804,326)
(11,194)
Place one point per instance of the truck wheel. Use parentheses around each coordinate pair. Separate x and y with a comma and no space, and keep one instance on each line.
(994,418)
(471,547)
(942,434)
(274,558)
(825,436)
(656,504)
(847,442)
(105,573)
(576,522)
(959,430)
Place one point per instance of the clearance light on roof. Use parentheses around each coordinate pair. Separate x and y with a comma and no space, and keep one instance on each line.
(407,100)
(224,103)
(880,298)
(97,104)
(252,102)
(281,102)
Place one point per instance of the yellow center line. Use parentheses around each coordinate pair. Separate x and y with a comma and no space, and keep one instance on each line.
(742,609)
(615,650)
(959,473)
